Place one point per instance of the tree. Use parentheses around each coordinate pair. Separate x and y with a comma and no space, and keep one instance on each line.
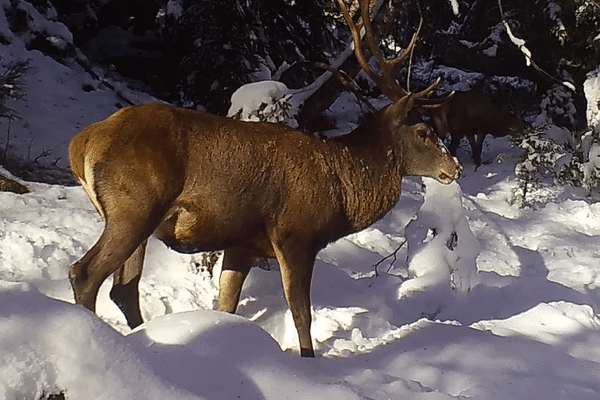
(216,46)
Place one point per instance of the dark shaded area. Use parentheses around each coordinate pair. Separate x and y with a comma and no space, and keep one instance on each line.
(55,396)
(10,185)
(196,53)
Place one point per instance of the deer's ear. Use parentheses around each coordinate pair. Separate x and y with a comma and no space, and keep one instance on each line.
(398,112)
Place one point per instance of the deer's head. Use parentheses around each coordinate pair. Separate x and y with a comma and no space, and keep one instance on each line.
(423,153)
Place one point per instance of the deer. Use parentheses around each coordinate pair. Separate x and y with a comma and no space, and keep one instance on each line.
(201,182)
(473,115)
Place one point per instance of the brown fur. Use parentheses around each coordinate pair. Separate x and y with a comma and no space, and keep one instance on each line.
(201,182)
(473,115)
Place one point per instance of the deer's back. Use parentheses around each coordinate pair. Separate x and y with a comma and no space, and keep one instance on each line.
(472,112)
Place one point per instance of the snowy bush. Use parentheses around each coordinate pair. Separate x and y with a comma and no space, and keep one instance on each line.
(11,86)
(552,154)
(548,158)
(558,107)
(38,28)
(546,162)
(590,141)
(591,170)
(591,88)
(265,101)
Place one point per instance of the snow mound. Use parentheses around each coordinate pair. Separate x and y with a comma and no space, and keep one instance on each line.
(48,346)
(442,248)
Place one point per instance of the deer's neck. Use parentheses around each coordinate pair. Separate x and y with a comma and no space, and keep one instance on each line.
(370,171)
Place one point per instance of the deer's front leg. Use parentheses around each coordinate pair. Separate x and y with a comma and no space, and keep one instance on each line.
(477,147)
(296,265)
(236,266)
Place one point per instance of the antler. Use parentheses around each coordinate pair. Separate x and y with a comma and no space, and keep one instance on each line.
(347,81)
(386,82)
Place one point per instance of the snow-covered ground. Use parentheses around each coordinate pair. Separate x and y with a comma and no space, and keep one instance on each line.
(486,300)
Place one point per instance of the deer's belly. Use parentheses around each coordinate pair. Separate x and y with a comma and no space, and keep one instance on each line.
(189,247)
(187,232)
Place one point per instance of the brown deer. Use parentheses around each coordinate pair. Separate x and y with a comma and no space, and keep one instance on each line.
(473,115)
(201,182)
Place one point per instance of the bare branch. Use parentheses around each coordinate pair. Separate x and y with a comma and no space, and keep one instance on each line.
(526,52)
(347,81)
(394,254)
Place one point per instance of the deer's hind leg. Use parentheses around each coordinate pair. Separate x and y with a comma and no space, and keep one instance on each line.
(111,252)
(125,292)
(132,194)
(455,138)
(128,222)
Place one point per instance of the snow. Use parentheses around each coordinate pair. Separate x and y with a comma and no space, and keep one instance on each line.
(507,309)
(591,88)
(520,43)
(55,31)
(56,107)
(174,8)
(441,247)
(263,101)
(554,11)
(455,7)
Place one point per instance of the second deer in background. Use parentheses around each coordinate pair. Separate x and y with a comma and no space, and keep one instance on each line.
(473,115)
